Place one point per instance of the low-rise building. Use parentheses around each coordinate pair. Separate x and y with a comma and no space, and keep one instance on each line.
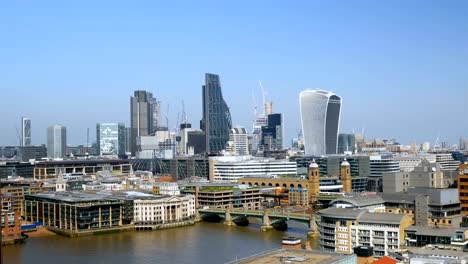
(450,237)
(343,229)
(436,207)
(226,196)
(51,169)
(151,210)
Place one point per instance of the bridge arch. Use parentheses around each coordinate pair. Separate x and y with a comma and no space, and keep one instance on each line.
(277,185)
(291,185)
(270,184)
(299,186)
(263,184)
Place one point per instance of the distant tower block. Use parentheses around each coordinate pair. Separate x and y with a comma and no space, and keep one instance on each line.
(346,176)
(314,182)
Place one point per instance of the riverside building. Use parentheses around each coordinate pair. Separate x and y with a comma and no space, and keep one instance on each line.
(343,229)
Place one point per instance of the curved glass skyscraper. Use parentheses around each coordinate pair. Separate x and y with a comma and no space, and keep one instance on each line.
(320,114)
(216,122)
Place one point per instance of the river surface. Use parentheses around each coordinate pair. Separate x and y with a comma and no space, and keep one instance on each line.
(200,243)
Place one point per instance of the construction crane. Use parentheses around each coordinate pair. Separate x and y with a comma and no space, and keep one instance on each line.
(264,94)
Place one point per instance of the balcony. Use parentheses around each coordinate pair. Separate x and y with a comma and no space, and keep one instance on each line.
(327,231)
(329,237)
(328,225)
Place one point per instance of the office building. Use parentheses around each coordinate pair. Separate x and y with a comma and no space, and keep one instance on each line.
(346,143)
(56,141)
(216,121)
(330,165)
(232,168)
(426,174)
(226,197)
(77,212)
(50,169)
(144,109)
(272,133)
(25,132)
(440,237)
(16,169)
(238,143)
(378,166)
(110,139)
(128,139)
(343,229)
(180,168)
(427,206)
(153,210)
(320,112)
(446,161)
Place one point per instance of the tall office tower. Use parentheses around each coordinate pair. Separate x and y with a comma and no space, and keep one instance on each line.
(143,110)
(272,133)
(128,139)
(346,142)
(320,113)
(155,115)
(110,138)
(25,132)
(268,108)
(56,141)
(216,121)
(238,140)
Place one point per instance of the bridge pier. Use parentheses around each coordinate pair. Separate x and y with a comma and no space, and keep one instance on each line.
(228,219)
(266,223)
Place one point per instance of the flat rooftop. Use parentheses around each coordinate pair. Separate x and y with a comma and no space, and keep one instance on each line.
(293,256)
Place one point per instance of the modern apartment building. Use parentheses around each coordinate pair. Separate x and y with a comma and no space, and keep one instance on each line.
(463,188)
(378,166)
(343,229)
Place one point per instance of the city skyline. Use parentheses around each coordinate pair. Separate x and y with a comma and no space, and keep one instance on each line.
(401,66)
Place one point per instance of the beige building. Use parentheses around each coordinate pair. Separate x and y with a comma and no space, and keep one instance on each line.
(343,229)
(226,197)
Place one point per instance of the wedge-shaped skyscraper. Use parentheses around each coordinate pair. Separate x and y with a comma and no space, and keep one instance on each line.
(320,113)
(216,122)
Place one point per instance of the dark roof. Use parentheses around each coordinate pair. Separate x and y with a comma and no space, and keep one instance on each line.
(345,213)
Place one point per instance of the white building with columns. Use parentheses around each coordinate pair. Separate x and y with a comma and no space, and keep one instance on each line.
(153,210)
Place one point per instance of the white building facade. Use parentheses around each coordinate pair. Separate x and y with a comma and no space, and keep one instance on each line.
(155,210)
(233,168)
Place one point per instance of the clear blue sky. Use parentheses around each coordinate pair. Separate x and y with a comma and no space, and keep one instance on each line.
(400,66)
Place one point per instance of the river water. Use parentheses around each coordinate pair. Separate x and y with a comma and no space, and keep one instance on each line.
(200,243)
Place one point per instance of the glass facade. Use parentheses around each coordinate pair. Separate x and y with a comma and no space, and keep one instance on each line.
(346,142)
(111,138)
(320,113)
(216,122)
(56,141)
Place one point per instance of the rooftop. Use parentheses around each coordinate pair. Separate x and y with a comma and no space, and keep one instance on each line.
(345,213)
(381,218)
(435,231)
(293,256)
(361,200)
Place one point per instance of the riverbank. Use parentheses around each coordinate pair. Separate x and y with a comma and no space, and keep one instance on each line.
(41,232)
